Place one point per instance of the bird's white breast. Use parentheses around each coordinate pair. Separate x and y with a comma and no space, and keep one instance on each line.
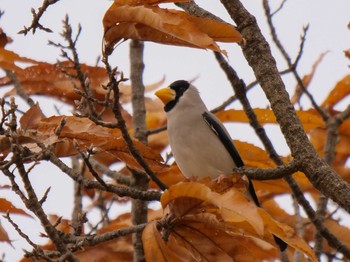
(196,149)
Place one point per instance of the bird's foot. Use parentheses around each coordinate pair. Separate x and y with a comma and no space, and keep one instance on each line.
(221,178)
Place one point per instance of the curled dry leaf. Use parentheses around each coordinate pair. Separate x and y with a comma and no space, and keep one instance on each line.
(164,26)
(205,225)
(31,119)
(9,58)
(7,206)
(146,2)
(4,39)
(4,236)
(347,53)
(340,231)
(340,91)
(78,132)
(51,80)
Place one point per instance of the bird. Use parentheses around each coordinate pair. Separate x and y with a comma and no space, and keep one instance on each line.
(200,143)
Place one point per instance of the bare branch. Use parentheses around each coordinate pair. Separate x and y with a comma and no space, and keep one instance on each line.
(19,89)
(139,179)
(121,122)
(259,57)
(32,203)
(279,8)
(36,18)
(288,59)
(118,177)
(86,158)
(93,240)
(119,190)
(269,173)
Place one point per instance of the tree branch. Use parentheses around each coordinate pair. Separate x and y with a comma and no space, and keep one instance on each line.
(36,18)
(119,190)
(259,57)
(114,84)
(139,179)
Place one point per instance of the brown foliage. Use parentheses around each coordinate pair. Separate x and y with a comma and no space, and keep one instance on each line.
(199,220)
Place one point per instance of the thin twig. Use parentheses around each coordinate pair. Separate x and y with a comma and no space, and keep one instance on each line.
(121,122)
(93,240)
(36,18)
(286,56)
(279,8)
(89,184)
(19,89)
(118,177)
(34,205)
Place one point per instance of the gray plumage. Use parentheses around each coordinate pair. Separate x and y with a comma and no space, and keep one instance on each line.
(196,148)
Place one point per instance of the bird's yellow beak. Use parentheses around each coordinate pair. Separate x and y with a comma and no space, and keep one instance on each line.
(166,95)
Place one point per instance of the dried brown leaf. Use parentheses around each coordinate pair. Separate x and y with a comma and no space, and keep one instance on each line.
(165,26)
(9,58)
(31,118)
(214,226)
(309,118)
(340,91)
(146,2)
(3,235)
(7,206)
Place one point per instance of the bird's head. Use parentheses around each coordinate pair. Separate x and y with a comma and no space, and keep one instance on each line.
(171,95)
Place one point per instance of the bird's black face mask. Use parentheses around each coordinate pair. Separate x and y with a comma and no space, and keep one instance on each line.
(180,87)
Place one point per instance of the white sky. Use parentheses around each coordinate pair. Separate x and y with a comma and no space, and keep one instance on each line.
(328,31)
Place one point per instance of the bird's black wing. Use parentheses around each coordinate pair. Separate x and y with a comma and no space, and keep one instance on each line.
(216,127)
(231,149)
(224,138)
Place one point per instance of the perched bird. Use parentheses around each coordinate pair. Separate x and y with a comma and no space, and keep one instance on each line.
(200,143)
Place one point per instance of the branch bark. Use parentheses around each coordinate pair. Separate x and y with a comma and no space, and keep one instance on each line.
(139,179)
(258,54)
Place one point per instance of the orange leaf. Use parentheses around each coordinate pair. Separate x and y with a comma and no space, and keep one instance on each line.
(170,176)
(287,234)
(3,235)
(4,39)
(157,250)
(146,2)
(7,206)
(8,59)
(199,241)
(31,118)
(49,79)
(83,133)
(198,215)
(253,156)
(165,26)
(309,118)
(341,90)
(341,232)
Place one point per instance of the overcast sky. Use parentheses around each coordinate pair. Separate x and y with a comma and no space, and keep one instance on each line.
(328,22)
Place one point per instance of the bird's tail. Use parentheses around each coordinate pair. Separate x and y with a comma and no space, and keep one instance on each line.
(283,245)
